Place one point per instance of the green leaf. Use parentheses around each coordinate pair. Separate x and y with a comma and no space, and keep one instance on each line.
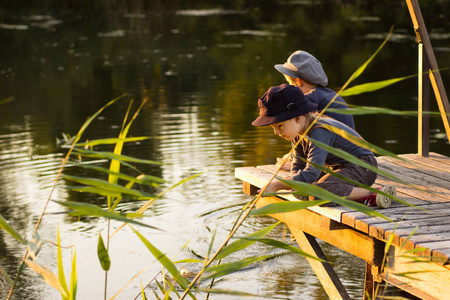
(228,268)
(113,156)
(282,245)
(103,255)
(370,110)
(6,100)
(5,226)
(47,275)
(140,179)
(371,86)
(61,276)
(320,193)
(361,69)
(285,206)
(242,244)
(34,246)
(112,141)
(104,185)
(73,278)
(88,209)
(7,277)
(165,261)
(232,293)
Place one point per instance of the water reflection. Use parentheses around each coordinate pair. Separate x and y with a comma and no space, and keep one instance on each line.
(200,66)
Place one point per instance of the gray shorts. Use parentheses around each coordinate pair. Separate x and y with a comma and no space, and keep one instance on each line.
(352,171)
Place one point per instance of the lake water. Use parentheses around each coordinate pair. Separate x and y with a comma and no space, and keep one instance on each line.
(201,65)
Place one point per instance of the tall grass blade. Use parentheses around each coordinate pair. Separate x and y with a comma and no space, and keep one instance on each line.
(34,246)
(61,276)
(371,86)
(356,183)
(112,141)
(88,209)
(285,206)
(165,261)
(320,193)
(5,226)
(8,279)
(110,155)
(282,245)
(47,275)
(103,255)
(233,293)
(242,244)
(228,268)
(111,187)
(140,179)
(370,110)
(6,100)
(361,69)
(73,277)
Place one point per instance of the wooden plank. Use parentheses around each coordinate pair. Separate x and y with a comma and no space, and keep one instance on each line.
(423,165)
(319,226)
(426,279)
(427,161)
(440,158)
(414,177)
(324,272)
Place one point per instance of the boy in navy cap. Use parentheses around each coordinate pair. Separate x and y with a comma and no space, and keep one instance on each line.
(286,109)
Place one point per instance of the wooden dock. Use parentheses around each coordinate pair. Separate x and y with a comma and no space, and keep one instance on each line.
(417,260)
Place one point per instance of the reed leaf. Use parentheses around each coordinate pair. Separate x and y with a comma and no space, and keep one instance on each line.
(348,157)
(103,255)
(112,141)
(228,268)
(34,246)
(370,110)
(320,193)
(233,293)
(361,69)
(140,179)
(359,141)
(5,226)
(87,209)
(285,206)
(282,245)
(73,277)
(355,183)
(110,155)
(7,277)
(242,244)
(165,261)
(61,275)
(371,86)
(106,186)
(47,275)
(6,100)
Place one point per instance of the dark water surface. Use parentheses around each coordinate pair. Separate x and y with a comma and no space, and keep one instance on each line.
(201,65)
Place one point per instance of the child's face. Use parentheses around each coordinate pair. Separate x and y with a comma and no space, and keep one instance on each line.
(289,129)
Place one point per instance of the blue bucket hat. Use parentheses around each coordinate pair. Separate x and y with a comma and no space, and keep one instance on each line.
(281,103)
(303,65)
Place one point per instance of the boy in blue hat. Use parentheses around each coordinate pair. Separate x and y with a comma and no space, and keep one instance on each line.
(286,109)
